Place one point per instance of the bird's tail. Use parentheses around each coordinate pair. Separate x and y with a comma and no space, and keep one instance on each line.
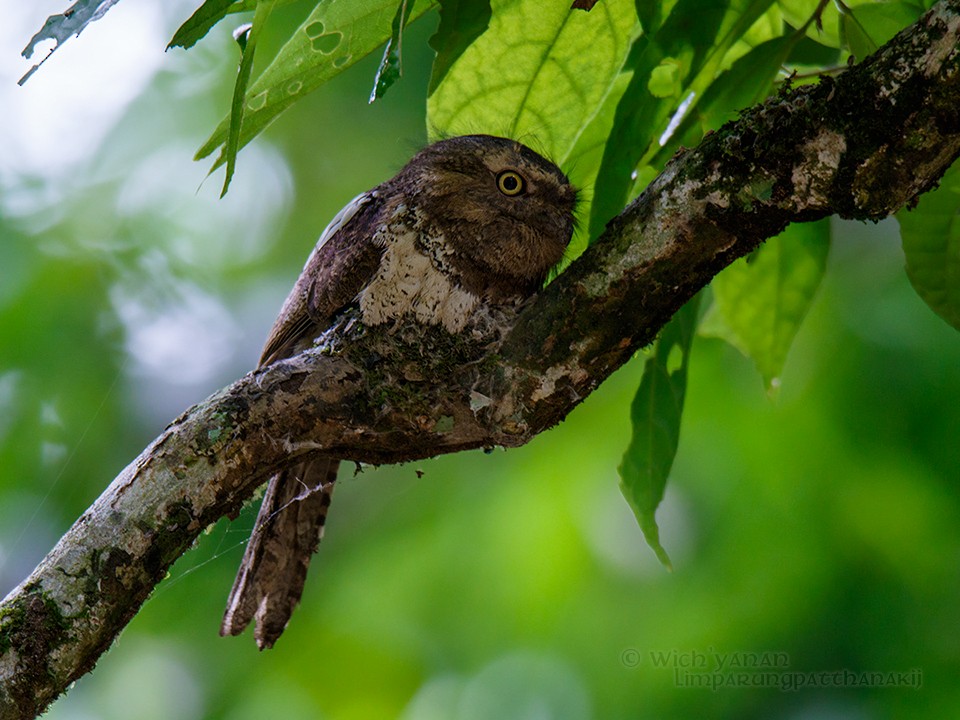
(274,566)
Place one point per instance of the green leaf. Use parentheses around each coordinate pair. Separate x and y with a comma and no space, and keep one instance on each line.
(748,81)
(855,37)
(539,73)
(461,22)
(583,162)
(931,242)
(655,415)
(884,20)
(249,45)
(872,23)
(333,37)
(665,79)
(650,13)
(827,31)
(390,65)
(59,28)
(760,301)
(696,35)
(209,14)
(867,27)
(199,24)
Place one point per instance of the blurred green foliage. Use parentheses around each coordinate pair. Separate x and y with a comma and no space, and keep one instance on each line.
(822,526)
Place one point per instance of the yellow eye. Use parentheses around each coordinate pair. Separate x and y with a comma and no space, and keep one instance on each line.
(510,183)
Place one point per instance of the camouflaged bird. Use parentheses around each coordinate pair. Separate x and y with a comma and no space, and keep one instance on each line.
(469,222)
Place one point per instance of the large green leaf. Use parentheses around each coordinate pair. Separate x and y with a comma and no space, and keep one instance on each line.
(748,81)
(655,415)
(931,242)
(583,162)
(857,25)
(866,27)
(539,73)
(333,37)
(461,22)
(760,301)
(827,31)
(692,43)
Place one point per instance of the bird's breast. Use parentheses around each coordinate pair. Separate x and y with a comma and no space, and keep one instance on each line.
(411,279)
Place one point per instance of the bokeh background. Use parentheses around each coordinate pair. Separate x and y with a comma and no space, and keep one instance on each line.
(822,526)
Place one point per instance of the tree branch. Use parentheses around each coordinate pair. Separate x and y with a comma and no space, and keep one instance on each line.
(862,146)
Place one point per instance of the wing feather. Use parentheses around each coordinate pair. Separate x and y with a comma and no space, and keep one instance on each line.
(343,262)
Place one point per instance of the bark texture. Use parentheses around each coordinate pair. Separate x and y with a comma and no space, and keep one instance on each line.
(862,145)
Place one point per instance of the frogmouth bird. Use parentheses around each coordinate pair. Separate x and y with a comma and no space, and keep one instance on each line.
(469,223)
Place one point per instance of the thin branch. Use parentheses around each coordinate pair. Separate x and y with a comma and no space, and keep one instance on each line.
(862,146)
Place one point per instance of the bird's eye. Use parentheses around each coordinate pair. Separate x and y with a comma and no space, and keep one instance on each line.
(510,183)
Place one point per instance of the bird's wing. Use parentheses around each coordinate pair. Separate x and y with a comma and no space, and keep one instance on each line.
(343,262)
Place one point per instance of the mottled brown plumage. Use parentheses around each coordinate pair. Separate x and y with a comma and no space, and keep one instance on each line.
(468,222)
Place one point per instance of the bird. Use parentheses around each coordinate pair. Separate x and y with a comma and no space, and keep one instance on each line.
(470,222)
